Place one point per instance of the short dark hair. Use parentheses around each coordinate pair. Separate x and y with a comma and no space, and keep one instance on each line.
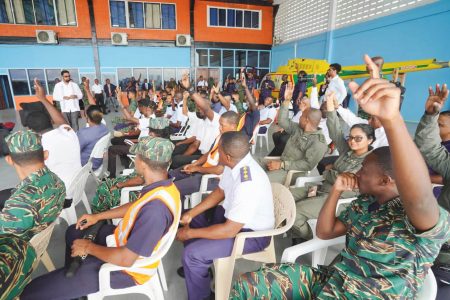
(445,113)
(64,72)
(367,129)
(38,121)
(337,67)
(235,144)
(303,73)
(94,114)
(163,133)
(155,165)
(384,159)
(28,158)
(231,117)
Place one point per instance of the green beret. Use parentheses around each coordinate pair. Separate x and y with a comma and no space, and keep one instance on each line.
(154,148)
(158,123)
(24,141)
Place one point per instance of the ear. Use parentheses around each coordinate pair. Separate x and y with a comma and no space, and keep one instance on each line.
(9,160)
(45,154)
(386,180)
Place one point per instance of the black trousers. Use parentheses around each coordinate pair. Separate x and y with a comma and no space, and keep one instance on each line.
(100,101)
(4,195)
(279,140)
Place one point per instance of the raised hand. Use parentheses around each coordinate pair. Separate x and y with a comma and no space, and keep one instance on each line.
(436,99)
(86,84)
(288,92)
(330,97)
(39,90)
(185,96)
(185,82)
(376,96)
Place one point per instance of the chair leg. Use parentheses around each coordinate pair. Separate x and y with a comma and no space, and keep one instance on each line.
(260,142)
(162,276)
(47,262)
(223,275)
(156,288)
(267,141)
(70,215)
(86,204)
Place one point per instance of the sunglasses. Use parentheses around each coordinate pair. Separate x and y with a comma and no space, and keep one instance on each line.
(357,138)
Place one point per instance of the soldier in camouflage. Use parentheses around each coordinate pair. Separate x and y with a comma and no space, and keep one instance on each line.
(16,265)
(38,199)
(394,230)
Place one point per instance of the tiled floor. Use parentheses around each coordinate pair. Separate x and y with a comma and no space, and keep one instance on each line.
(176,287)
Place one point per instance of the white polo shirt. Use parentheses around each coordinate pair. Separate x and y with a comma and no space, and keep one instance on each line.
(180,116)
(63,153)
(268,112)
(97,89)
(62,89)
(143,125)
(337,85)
(208,131)
(248,195)
(224,110)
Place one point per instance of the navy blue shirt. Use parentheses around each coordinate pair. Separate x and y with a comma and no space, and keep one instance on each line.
(88,137)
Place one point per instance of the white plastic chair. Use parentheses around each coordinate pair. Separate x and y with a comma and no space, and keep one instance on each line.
(253,139)
(285,211)
(195,198)
(152,287)
(290,174)
(40,243)
(181,134)
(427,292)
(99,151)
(76,189)
(124,199)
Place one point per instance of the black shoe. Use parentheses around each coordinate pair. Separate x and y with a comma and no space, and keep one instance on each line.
(180,272)
(296,241)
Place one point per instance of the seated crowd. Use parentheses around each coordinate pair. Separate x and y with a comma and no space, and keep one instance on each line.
(167,140)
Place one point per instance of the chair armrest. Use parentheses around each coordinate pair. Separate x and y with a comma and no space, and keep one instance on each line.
(290,174)
(301,181)
(128,142)
(290,254)
(125,193)
(126,172)
(205,180)
(272,157)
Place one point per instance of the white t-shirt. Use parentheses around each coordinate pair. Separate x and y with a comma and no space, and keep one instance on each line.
(180,116)
(268,112)
(224,110)
(63,153)
(202,83)
(208,131)
(248,195)
(337,85)
(97,89)
(143,125)
(61,90)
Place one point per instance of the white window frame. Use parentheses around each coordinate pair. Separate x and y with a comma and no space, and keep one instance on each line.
(208,7)
(127,15)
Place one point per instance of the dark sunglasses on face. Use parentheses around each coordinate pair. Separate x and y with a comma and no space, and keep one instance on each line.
(357,138)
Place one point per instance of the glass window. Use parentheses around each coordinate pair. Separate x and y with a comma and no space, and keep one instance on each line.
(231,20)
(136,14)
(168,16)
(155,74)
(202,57)
(228,58)
(169,74)
(215,58)
(226,72)
(152,15)
(19,82)
(264,59)
(239,16)
(252,59)
(74,75)
(262,73)
(222,17)
(247,19)
(6,15)
(140,72)
(239,58)
(117,9)
(45,12)
(53,77)
(255,19)
(66,13)
(40,75)
(23,11)
(124,76)
(213,17)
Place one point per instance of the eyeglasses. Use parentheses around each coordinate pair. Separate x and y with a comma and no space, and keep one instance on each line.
(357,138)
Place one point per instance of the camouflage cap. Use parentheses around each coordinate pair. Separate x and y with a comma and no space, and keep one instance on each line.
(154,148)
(23,141)
(158,123)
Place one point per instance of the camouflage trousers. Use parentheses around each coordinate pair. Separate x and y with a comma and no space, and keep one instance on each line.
(282,281)
(16,265)
(105,199)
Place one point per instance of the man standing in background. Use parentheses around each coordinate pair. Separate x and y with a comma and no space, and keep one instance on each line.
(68,94)
(110,91)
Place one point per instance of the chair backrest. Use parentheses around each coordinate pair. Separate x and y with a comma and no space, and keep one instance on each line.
(101,147)
(284,206)
(76,188)
(40,241)
(255,133)
(429,287)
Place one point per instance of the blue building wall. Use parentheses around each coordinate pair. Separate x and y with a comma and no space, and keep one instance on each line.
(418,33)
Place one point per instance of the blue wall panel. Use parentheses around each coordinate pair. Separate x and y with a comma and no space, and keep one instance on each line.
(418,33)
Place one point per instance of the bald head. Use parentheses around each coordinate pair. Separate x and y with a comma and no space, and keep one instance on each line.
(235,144)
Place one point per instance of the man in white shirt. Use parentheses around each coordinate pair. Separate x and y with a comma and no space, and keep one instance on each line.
(247,206)
(267,115)
(202,84)
(97,90)
(336,84)
(68,94)
(61,143)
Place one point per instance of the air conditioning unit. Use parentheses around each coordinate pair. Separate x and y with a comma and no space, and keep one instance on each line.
(183,40)
(118,38)
(46,37)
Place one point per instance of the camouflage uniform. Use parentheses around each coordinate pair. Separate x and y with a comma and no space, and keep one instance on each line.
(38,199)
(303,150)
(85,97)
(309,208)
(384,258)
(16,265)
(437,157)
